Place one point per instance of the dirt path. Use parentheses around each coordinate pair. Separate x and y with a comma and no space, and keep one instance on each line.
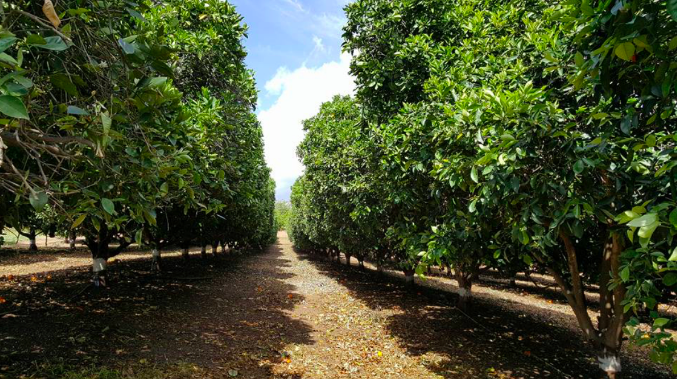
(279,314)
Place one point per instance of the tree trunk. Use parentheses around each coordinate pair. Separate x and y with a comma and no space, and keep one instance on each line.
(409,278)
(348,259)
(223,247)
(464,290)
(99,247)
(156,263)
(31,236)
(379,268)
(203,251)
(185,253)
(215,248)
(610,363)
(99,268)
(100,254)
(360,261)
(71,239)
(607,337)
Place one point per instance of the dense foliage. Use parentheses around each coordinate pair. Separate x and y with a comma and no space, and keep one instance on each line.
(282,214)
(134,122)
(508,135)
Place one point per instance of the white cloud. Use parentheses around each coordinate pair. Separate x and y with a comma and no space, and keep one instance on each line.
(319,46)
(296,4)
(329,25)
(301,92)
(274,85)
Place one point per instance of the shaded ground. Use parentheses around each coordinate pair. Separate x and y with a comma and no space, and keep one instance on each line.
(278,314)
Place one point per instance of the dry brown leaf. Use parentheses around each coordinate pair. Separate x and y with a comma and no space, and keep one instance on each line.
(50,13)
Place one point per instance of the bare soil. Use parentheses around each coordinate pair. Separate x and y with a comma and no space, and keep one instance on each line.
(278,314)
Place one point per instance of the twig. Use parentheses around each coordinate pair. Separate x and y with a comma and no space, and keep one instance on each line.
(80,292)
(46,25)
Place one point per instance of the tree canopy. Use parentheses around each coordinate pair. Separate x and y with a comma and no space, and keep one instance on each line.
(129,120)
(508,135)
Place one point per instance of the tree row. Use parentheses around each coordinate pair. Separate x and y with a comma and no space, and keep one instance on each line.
(510,136)
(131,123)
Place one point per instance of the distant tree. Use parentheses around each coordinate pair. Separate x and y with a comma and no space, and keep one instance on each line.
(282,214)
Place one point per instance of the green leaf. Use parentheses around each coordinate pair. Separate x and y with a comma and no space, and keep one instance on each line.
(625,274)
(64,82)
(13,107)
(673,256)
(38,200)
(8,59)
(651,140)
(135,14)
(108,206)
(473,175)
(673,217)
(472,206)
(54,43)
(152,82)
(672,44)
(660,322)
(525,237)
(36,39)
(641,41)
(106,123)
(579,59)
(672,8)
(138,237)
(645,220)
(6,42)
(150,217)
(164,189)
(579,166)
(647,231)
(625,51)
(126,46)
(76,111)
(79,221)
(670,279)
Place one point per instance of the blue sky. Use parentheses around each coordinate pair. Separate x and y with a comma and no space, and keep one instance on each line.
(294,47)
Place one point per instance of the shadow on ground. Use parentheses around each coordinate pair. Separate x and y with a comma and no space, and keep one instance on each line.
(220,314)
(495,339)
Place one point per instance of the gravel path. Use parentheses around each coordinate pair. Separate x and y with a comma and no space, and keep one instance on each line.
(351,339)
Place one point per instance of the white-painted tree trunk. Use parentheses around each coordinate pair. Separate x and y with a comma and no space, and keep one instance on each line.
(99,269)
(71,240)
(611,364)
(409,278)
(155,263)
